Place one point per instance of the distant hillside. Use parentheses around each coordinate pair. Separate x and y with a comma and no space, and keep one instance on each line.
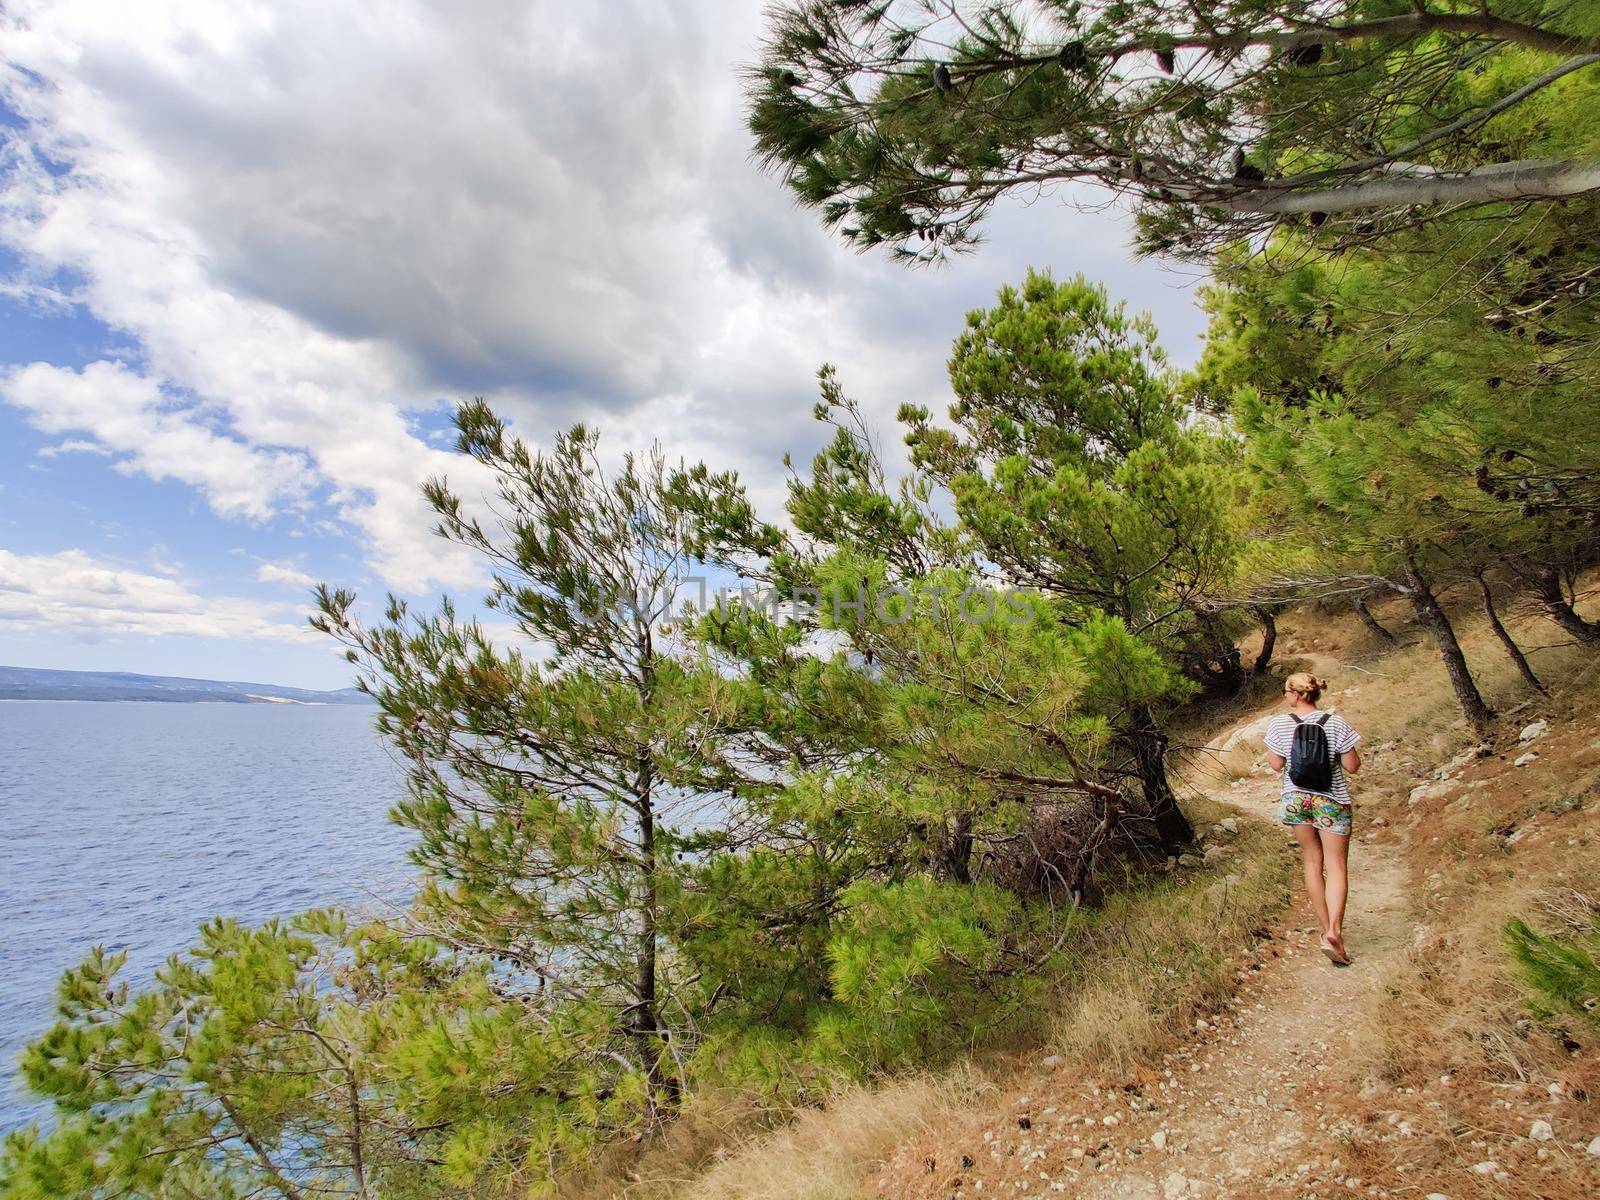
(25,683)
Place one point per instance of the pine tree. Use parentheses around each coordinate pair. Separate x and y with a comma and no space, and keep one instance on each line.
(1435,410)
(307,1058)
(1485,336)
(556,797)
(963,723)
(859,542)
(1073,471)
(905,124)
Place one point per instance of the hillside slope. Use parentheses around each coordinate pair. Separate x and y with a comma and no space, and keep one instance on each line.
(1251,1067)
(30,683)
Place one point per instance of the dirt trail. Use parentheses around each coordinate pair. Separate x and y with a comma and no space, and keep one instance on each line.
(1233,1112)
(1232,1109)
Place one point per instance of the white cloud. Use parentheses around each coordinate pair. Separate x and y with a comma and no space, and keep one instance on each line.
(128,415)
(71,594)
(315,225)
(162,561)
(242,398)
(74,446)
(283,572)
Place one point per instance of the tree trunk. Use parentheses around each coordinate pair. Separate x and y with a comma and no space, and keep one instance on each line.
(1548,584)
(1231,670)
(1506,640)
(1426,605)
(1149,747)
(1269,638)
(1082,887)
(257,1147)
(1228,673)
(955,855)
(647,1032)
(1370,621)
(358,1170)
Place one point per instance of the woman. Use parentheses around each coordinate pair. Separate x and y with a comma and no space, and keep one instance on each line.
(1319,819)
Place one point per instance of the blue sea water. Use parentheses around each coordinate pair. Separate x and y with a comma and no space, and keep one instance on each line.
(128,824)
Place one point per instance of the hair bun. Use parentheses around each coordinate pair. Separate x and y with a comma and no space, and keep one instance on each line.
(1320,682)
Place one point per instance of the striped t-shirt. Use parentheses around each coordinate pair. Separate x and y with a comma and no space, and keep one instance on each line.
(1280,740)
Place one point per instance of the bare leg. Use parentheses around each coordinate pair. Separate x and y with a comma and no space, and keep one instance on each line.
(1311,856)
(1335,865)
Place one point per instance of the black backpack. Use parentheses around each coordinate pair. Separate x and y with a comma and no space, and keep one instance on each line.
(1310,757)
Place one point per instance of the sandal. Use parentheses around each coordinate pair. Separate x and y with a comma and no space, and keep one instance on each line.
(1336,954)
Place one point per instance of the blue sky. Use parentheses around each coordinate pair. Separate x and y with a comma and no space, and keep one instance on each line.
(66,505)
(251,253)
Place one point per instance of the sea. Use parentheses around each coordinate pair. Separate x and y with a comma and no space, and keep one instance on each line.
(127,824)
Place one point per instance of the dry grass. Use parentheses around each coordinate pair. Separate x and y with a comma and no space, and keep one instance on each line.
(1152,960)
(656,1168)
(719,1150)
(821,1154)
(725,1148)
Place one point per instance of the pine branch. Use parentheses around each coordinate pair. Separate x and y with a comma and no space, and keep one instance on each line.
(1531,179)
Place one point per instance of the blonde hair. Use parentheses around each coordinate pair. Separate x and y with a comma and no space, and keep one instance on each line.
(1306,684)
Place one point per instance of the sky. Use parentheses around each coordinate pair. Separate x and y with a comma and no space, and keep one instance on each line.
(251,255)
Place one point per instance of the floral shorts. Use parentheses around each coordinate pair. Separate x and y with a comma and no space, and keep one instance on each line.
(1306,808)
